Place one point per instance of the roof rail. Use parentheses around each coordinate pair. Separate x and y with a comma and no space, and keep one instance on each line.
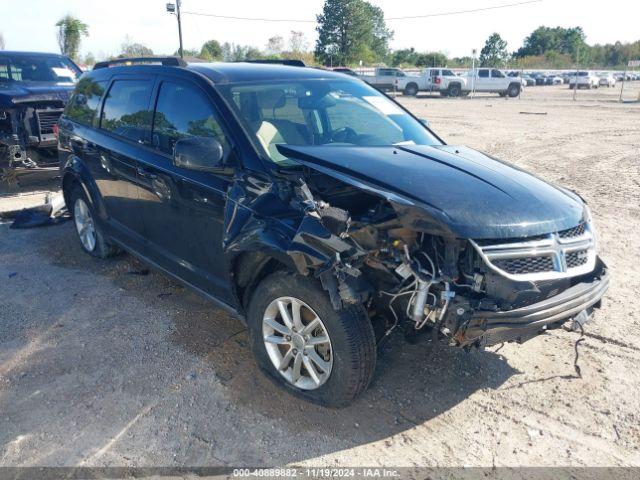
(288,62)
(164,61)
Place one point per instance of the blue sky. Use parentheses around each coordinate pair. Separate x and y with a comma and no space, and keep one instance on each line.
(29,24)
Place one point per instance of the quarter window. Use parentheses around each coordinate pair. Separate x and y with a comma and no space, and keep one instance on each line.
(126,111)
(182,112)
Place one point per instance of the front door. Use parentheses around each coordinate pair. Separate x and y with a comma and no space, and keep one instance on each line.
(183,210)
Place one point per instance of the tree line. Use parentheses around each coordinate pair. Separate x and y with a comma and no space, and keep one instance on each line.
(354,32)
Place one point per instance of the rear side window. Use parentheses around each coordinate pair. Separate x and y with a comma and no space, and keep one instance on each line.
(183,112)
(85,101)
(126,111)
(483,73)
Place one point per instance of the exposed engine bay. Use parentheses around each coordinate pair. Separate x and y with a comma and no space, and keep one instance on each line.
(27,137)
(465,292)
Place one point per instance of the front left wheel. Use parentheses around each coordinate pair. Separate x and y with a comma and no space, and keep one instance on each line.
(301,342)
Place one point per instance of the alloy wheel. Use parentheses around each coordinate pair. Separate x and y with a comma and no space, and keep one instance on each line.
(297,343)
(84,225)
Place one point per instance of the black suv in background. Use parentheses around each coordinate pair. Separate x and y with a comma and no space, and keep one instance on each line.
(34,88)
(322,212)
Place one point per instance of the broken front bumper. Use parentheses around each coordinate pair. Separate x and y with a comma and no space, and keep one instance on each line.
(487,328)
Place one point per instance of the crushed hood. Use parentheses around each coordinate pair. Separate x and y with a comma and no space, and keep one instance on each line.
(16,93)
(449,189)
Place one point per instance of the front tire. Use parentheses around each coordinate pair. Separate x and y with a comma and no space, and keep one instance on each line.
(513,90)
(307,347)
(90,235)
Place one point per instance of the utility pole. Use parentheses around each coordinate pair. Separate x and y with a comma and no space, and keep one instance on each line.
(473,70)
(175,9)
(179,26)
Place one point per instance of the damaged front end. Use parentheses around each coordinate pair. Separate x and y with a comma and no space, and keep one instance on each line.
(409,269)
(27,136)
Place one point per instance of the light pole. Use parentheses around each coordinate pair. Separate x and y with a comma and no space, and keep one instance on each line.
(473,72)
(175,9)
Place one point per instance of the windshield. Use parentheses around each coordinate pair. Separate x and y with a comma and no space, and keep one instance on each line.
(37,68)
(321,112)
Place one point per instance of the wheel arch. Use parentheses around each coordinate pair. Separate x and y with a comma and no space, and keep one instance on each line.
(250,267)
(75,172)
(412,85)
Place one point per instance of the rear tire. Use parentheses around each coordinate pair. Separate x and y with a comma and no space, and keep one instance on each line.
(411,90)
(349,354)
(90,235)
(454,90)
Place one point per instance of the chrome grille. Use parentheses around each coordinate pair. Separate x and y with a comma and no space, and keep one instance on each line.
(572,232)
(577,258)
(556,255)
(525,264)
(47,119)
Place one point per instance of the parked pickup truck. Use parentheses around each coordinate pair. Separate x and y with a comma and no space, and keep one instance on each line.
(440,80)
(384,78)
(494,81)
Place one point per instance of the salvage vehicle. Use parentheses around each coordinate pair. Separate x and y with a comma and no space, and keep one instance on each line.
(440,80)
(322,213)
(492,80)
(584,79)
(383,78)
(34,88)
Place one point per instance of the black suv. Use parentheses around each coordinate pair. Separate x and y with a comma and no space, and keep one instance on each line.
(34,88)
(322,212)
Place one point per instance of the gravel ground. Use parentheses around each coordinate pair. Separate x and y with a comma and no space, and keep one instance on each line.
(102,365)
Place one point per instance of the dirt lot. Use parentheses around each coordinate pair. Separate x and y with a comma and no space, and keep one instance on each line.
(100,365)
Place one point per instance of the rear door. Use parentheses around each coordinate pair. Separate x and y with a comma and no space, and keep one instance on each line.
(183,210)
(483,80)
(114,152)
(498,80)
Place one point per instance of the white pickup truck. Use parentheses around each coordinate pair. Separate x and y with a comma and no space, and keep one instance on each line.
(493,80)
(440,80)
(383,78)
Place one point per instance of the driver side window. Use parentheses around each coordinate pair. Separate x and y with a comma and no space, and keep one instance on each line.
(182,112)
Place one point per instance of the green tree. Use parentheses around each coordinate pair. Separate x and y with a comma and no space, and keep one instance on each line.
(351,30)
(89,59)
(546,39)
(70,33)
(130,48)
(275,45)
(211,50)
(232,52)
(298,42)
(188,52)
(494,53)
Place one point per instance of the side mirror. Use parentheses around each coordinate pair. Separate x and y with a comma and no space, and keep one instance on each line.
(424,122)
(198,153)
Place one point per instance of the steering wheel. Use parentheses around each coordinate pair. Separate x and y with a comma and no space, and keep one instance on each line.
(344,135)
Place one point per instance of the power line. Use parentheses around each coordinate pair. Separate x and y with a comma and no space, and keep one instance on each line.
(413,17)
(226,17)
(459,12)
